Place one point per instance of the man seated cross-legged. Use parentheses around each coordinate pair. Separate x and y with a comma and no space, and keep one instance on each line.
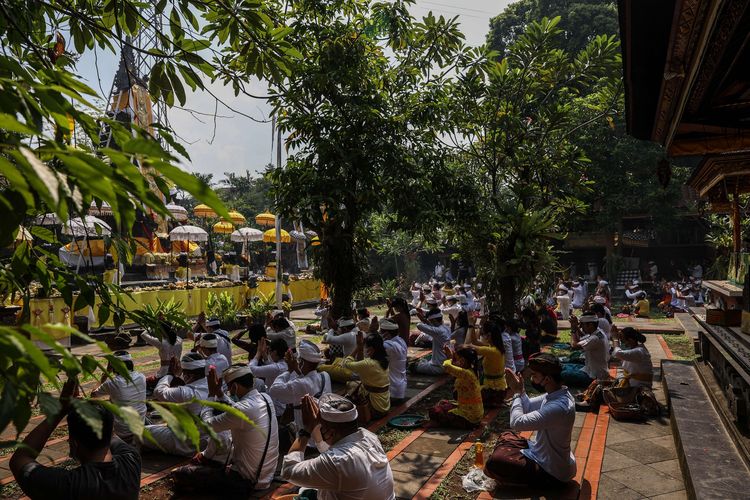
(547,460)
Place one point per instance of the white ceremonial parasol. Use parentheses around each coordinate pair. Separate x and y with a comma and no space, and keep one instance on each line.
(179,213)
(87,226)
(188,233)
(105,209)
(50,219)
(298,236)
(247,234)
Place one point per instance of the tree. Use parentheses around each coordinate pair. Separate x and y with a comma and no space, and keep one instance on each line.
(580,20)
(40,171)
(362,126)
(515,123)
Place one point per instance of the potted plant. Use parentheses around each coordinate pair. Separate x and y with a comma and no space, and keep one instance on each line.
(259,306)
(223,307)
(170,312)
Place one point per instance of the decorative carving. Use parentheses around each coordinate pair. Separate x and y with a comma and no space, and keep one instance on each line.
(680,54)
(729,20)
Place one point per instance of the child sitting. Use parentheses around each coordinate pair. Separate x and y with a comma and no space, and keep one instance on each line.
(467,412)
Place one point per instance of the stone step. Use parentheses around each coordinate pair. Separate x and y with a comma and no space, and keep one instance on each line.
(710,461)
(687,322)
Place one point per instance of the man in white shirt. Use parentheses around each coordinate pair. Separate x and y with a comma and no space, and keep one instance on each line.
(432,326)
(452,308)
(547,460)
(301,378)
(345,338)
(255,440)
(396,349)
(280,328)
(224,344)
(208,348)
(269,363)
(191,370)
(354,467)
(603,323)
(123,392)
(579,295)
(592,340)
(563,301)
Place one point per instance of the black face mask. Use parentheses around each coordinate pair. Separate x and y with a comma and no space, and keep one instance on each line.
(537,387)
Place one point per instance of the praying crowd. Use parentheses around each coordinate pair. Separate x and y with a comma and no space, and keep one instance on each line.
(287,422)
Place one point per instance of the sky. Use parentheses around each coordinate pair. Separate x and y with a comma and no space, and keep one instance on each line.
(236,143)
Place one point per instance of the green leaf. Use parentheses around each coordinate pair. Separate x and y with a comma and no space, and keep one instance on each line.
(9,123)
(86,410)
(49,405)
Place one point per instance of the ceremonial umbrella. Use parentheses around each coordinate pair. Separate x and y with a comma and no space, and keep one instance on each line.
(188,233)
(105,209)
(204,211)
(246,234)
(270,236)
(86,226)
(23,234)
(223,227)
(265,219)
(179,213)
(298,236)
(50,219)
(236,217)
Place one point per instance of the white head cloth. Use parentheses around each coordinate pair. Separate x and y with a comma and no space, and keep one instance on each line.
(208,340)
(235,372)
(189,362)
(589,318)
(123,355)
(212,322)
(309,352)
(388,325)
(436,315)
(344,322)
(335,408)
(600,300)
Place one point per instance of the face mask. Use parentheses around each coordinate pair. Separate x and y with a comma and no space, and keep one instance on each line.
(537,387)
(234,397)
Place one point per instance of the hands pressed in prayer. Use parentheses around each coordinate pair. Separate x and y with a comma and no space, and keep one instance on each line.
(291,361)
(515,381)
(447,351)
(310,413)
(175,368)
(70,390)
(262,348)
(214,384)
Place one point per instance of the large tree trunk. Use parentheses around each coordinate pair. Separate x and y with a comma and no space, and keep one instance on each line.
(337,267)
(508,295)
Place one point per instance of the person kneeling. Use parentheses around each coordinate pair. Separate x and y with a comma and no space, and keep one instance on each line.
(468,410)
(256,444)
(546,460)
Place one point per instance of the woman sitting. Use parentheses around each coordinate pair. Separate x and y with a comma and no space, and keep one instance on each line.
(492,349)
(462,328)
(373,374)
(467,412)
(636,360)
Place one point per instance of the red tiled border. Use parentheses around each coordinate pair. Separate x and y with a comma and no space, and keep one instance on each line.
(431,485)
(664,346)
(285,488)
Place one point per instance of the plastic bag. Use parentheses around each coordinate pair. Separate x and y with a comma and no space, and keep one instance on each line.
(476,480)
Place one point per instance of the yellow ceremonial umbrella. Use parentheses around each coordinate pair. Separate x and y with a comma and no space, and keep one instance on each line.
(266,219)
(204,211)
(270,236)
(236,217)
(223,227)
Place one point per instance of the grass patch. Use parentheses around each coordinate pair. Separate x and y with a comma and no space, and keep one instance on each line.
(681,346)
(390,437)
